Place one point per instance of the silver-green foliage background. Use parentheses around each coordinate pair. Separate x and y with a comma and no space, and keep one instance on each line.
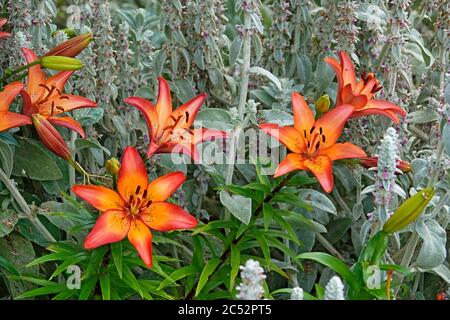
(249,56)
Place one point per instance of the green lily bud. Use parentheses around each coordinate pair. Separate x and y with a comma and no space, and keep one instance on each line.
(112,166)
(408,211)
(61,63)
(323,104)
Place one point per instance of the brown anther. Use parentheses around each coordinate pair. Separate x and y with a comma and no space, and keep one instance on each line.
(323,139)
(312,129)
(304,131)
(187,116)
(148,204)
(320,130)
(317,145)
(138,190)
(64,97)
(309,144)
(144,195)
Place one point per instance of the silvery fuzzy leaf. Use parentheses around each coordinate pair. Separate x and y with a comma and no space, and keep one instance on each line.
(279,117)
(214,118)
(446,137)
(398,190)
(267,74)
(235,49)
(304,68)
(422,116)
(239,206)
(257,22)
(433,251)
(317,200)
(443,272)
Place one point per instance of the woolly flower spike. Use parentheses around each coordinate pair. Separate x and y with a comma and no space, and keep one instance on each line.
(169,130)
(388,157)
(136,206)
(334,290)
(360,93)
(297,293)
(252,276)
(313,143)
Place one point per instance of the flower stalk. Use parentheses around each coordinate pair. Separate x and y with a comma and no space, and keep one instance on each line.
(24,206)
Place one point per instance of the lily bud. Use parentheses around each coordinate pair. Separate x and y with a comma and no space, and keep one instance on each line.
(71,47)
(50,137)
(323,104)
(61,63)
(372,162)
(408,211)
(112,166)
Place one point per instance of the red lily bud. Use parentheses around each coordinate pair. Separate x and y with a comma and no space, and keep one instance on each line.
(2,33)
(71,47)
(50,137)
(372,162)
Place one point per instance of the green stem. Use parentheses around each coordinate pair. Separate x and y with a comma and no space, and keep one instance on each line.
(20,69)
(246,52)
(24,206)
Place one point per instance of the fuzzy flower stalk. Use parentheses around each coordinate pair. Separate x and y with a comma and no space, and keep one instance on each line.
(334,289)
(297,293)
(387,168)
(252,276)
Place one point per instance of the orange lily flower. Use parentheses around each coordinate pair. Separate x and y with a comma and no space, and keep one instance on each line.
(2,33)
(169,131)
(313,143)
(360,93)
(43,105)
(136,206)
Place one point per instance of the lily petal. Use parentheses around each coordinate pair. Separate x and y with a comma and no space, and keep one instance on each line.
(321,167)
(289,136)
(164,102)
(348,71)
(344,150)
(28,107)
(163,216)
(371,111)
(152,148)
(180,148)
(204,134)
(101,198)
(358,101)
(385,105)
(112,226)
(332,124)
(141,238)
(163,187)
(10,120)
(303,115)
(10,91)
(35,76)
(69,123)
(148,110)
(184,115)
(132,174)
(293,161)
(67,102)
(335,65)
(59,80)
